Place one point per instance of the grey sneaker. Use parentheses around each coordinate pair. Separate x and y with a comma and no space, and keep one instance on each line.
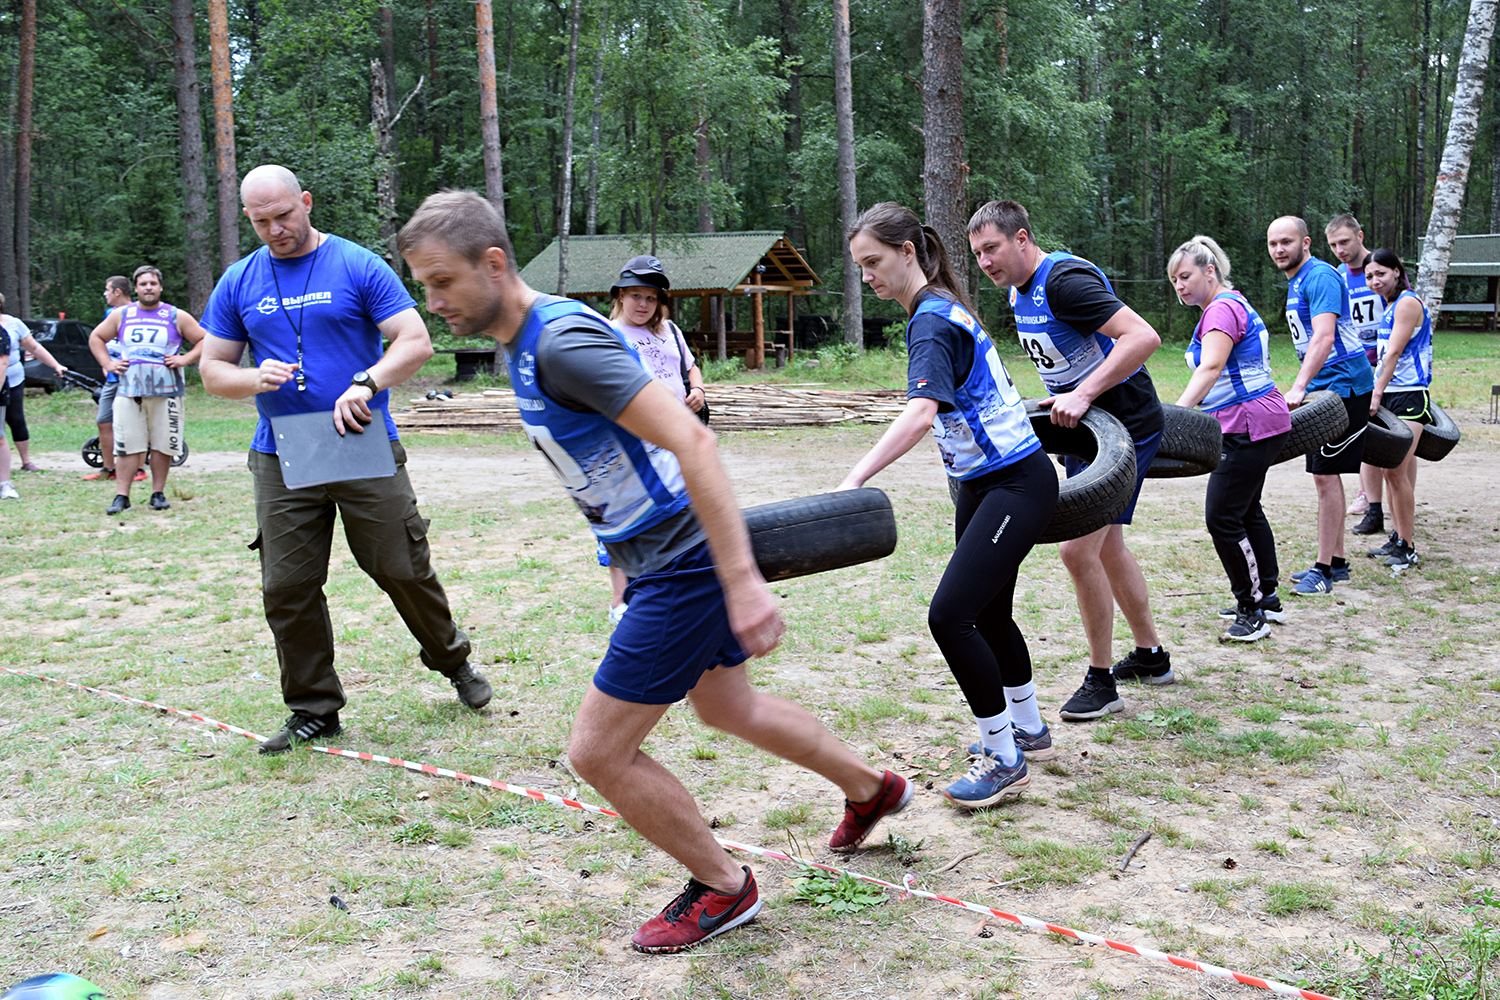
(1034,746)
(1270,609)
(1094,700)
(1386,549)
(473,690)
(302,728)
(1403,556)
(1248,626)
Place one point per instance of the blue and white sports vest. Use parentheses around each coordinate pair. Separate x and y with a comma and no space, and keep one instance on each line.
(1247,373)
(1063,357)
(621,484)
(988,428)
(1365,307)
(1414,367)
(1299,313)
(146,339)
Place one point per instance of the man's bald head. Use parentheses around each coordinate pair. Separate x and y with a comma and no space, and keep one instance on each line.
(1295,221)
(269,175)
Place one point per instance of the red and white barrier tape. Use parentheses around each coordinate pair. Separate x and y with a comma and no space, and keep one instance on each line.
(906,889)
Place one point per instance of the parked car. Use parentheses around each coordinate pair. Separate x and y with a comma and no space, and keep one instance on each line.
(68,341)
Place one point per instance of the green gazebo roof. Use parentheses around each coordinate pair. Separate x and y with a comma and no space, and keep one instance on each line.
(696,263)
(1474,256)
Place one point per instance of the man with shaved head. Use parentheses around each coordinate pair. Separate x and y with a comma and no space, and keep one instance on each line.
(1327,341)
(314,309)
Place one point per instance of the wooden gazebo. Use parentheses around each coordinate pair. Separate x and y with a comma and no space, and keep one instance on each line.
(709,266)
(1475,256)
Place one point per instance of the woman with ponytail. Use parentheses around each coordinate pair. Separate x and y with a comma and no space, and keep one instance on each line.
(958,388)
(1231,362)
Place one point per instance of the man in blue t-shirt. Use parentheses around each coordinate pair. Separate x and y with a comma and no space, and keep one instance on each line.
(1327,342)
(1347,242)
(314,309)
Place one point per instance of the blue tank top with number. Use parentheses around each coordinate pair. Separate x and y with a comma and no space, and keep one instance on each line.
(621,484)
(146,339)
(1247,373)
(1365,307)
(1308,283)
(1063,356)
(1414,367)
(988,428)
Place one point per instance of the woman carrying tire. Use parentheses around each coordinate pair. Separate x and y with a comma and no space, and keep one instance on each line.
(1403,372)
(640,311)
(958,388)
(1230,358)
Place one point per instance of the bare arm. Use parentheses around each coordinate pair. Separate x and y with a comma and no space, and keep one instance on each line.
(409,349)
(1324,327)
(102,335)
(29,343)
(696,399)
(219,365)
(1135,341)
(1408,318)
(654,415)
(905,431)
(193,334)
(1216,348)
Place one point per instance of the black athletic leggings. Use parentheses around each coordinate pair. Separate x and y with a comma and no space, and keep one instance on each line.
(1231,509)
(998,519)
(15,414)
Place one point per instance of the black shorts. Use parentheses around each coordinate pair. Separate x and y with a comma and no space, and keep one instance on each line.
(1346,452)
(1409,404)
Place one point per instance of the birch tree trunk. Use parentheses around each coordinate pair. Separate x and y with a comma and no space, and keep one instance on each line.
(190,143)
(843,105)
(489,109)
(1458,151)
(26,74)
(943,166)
(228,188)
(1495,135)
(565,199)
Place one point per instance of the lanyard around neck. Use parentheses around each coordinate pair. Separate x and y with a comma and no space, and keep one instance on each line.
(301,375)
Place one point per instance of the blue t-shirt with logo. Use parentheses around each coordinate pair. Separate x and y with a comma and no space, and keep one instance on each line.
(337,295)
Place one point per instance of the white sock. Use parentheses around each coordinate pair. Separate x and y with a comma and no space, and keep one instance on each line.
(1023,710)
(995,734)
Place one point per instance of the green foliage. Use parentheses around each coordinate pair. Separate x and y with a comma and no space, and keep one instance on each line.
(1423,962)
(839,893)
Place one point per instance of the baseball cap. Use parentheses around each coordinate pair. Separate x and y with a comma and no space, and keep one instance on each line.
(643,271)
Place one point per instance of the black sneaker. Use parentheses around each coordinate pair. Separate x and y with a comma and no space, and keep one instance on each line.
(159,501)
(473,690)
(1094,700)
(1386,549)
(1270,609)
(1248,626)
(119,503)
(1132,669)
(1403,556)
(1371,524)
(302,728)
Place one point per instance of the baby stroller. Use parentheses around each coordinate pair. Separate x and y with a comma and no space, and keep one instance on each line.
(92,456)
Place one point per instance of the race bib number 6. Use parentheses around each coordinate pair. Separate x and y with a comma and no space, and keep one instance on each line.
(1299,332)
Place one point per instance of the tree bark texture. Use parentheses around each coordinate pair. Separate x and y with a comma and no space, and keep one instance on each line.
(591,222)
(1458,151)
(8,283)
(228,188)
(388,65)
(385,162)
(434,126)
(843,104)
(943,167)
(1495,135)
(796,219)
(190,143)
(565,195)
(26,75)
(489,109)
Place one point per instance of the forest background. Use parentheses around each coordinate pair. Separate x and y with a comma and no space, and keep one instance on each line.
(1125,128)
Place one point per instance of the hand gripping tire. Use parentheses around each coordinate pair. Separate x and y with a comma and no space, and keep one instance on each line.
(1319,420)
(1191,443)
(1387,440)
(1438,437)
(819,533)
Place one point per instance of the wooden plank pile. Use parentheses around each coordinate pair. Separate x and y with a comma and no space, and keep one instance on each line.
(734,408)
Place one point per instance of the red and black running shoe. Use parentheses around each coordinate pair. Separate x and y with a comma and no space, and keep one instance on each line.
(860,817)
(697,915)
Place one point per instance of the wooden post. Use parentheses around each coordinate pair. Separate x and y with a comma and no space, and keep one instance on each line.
(791,327)
(758,322)
(720,335)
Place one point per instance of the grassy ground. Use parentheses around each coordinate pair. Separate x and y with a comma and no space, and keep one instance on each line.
(1317,800)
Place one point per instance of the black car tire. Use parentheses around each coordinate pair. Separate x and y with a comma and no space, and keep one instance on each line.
(1191,443)
(1387,440)
(1319,420)
(820,533)
(1439,437)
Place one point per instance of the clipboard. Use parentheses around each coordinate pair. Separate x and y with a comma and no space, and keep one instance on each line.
(312,453)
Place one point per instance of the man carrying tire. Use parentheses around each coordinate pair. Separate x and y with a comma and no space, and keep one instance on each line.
(1327,342)
(646,475)
(1090,350)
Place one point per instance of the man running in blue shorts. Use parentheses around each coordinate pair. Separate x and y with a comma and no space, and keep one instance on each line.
(1090,350)
(1323,331)
(646,475)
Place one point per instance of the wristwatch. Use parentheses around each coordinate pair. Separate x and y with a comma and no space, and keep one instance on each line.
(365,381)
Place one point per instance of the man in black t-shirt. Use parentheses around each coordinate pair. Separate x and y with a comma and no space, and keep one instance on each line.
(1090,349)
